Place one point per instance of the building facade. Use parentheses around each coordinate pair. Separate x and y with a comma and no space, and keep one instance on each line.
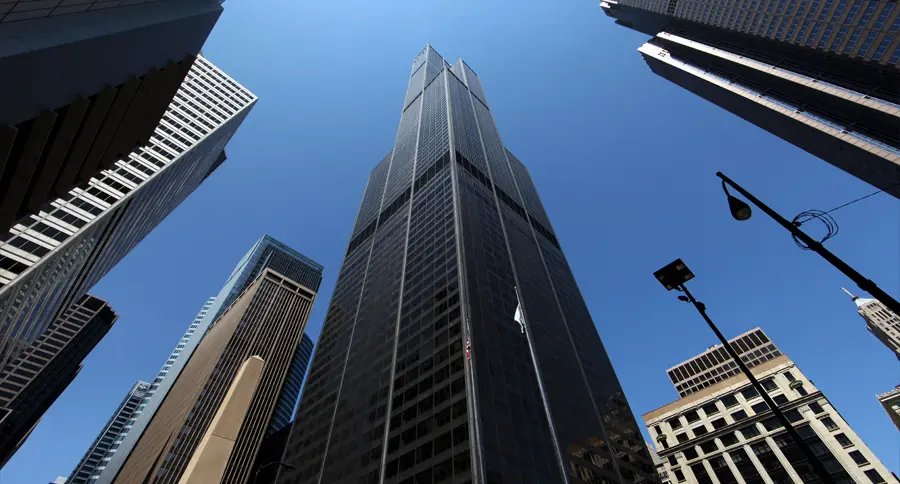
(823,76)
(726,431)
(228,390)
(38,376)
(284,410)
(421,373)
(266,253)
(49,260)
(61,123)
(880,321)
(891,403)
(86,469)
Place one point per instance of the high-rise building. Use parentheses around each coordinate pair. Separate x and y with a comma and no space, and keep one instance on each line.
(726,430)
(421,373)
(87,468)
(880,321)
(891,403)
(50,259)
(74,99)
(823,76)
(291,391)
(210,426)
(38,376)
(267,252)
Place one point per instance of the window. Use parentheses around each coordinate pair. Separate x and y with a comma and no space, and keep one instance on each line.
(718,423)
(874,476)
(816,408)
(760,407)
(690,453)
(789,376)
(729,401)
(701,430)
(729,439)
(829,424)
(793,415)
(709,446)
(711,409)
(780,399)
(679,475)
(739,415)
(692,416)
(675,423)
(771,423)
(769,385)
(673,461)
(801,390)
(843,440)
(858,457)
(750,393)
(681,438)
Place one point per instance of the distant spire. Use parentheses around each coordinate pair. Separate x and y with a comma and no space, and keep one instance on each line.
(848,293)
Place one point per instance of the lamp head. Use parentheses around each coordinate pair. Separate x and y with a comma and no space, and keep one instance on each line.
(739,208)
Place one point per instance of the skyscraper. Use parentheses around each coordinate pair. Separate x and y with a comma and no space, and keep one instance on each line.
(33,381)
(211,424)
(891,403)
(49,260)
(420,372)
(820,75)
(75,99)
(86,469)
(726,430)
(880,321)
(267,252)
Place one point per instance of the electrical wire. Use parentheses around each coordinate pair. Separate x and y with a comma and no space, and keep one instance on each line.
(831,225)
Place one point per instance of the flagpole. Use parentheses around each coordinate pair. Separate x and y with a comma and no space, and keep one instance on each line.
(540,381)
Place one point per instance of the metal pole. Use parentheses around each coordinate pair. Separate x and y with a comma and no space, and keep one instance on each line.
(277,469)
(817,466)
(862,282)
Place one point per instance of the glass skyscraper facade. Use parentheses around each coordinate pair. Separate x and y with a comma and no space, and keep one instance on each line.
(49,260)
(421,374)
(284,410)
(266,253)
(823,76)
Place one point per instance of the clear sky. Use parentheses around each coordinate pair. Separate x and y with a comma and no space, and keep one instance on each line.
(623,160)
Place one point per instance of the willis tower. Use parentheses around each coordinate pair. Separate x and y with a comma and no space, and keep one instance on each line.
(422,374)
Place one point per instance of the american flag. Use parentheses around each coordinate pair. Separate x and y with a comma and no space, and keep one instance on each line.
(468,349)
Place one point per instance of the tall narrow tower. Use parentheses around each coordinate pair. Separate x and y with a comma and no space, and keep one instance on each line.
(880,321)
(421,373)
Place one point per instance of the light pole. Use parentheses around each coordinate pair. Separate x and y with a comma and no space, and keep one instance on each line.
(674,276)
(279,464)
(741,211)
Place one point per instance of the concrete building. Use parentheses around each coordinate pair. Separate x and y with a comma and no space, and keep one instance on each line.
(421,373)
(86,469)
(83,83)
(880,321)
(212,422)
(891,403)
(823,76)
(50,259)
(267,252)
(38,376)
(725,431)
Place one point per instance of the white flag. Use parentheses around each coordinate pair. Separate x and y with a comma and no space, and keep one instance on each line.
(519,317)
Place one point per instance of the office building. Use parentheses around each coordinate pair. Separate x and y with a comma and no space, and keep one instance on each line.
(891,403)
(75,99)
(267,252)
(87,468)
(50,259)
(880,321)
(725,431)
(821,75)
(221,405)
(38,376)
(421,373)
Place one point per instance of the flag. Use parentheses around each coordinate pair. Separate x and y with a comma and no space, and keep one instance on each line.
(519,317)
(468,349)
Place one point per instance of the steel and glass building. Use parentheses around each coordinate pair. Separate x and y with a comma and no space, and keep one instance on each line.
(86,469)
(880,321)
(75,98)
(421,374)
(725,431)
(210,426)
(33,381)
(823,76)
(266,253)
(50,259)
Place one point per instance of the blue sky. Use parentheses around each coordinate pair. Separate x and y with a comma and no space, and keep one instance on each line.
(624,162)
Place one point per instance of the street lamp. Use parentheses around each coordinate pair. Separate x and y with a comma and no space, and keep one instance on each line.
(741,211)
(674,276)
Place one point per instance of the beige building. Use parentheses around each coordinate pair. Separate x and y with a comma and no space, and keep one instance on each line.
(212,422)
(891,403)
(725,433)
(880,321)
